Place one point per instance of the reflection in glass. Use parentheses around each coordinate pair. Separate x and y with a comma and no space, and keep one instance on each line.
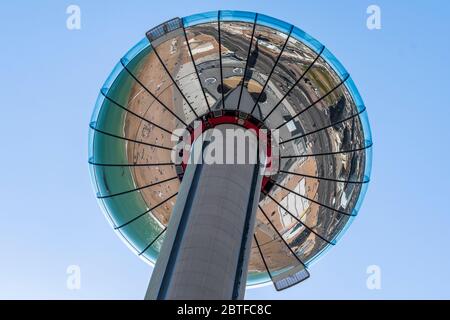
(204,42)
(173,51)
(267,44)
(236,38)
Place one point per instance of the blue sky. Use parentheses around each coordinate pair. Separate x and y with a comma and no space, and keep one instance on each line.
(49,82)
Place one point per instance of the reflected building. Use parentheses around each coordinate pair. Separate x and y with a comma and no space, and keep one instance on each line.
(230,68)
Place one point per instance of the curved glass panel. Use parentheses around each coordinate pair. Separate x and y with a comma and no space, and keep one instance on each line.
(311,42)
(234,59)
(267,46)
(257,272)
(274,23)
(285,268)
(152,250)
(320,89)
(174,53)
(335,63)
(141,232)
(137,49)
(97,107)
(205,49)
(150,81)
(113,76)
(366,128)
(241,16)
(351,87)
(200,18)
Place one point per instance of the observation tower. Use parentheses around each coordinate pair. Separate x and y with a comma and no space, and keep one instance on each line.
(210,230)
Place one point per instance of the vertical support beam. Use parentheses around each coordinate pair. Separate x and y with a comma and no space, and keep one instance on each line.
(207,246)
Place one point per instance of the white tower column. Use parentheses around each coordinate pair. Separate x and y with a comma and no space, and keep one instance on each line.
(207,245)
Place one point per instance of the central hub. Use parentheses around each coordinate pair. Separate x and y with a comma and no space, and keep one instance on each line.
(232,117)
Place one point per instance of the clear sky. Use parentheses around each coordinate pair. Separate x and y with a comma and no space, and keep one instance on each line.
(49,80)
